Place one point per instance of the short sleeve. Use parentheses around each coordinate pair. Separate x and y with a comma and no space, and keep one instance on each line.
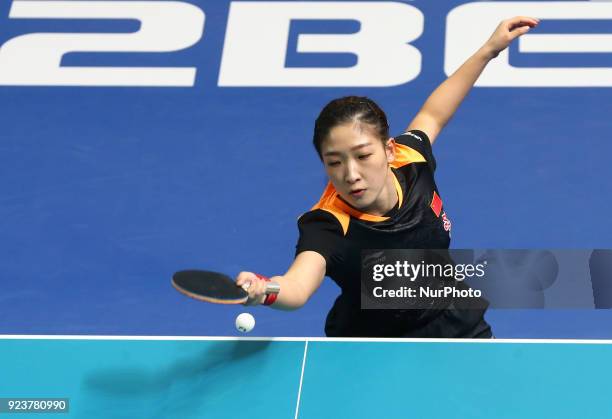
(320,232)
(418,141)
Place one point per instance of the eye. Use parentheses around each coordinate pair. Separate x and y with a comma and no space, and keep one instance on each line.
(364,156)
(333,163)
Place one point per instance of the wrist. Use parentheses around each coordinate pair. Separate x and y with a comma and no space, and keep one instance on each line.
(486,53)
(272,290)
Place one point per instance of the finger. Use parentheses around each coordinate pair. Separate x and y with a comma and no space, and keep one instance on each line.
(525,19)
(520,21)
(244,277)
(259,289)
(256,291)
(251,289)
(240,278)
(519,31)
(253,295)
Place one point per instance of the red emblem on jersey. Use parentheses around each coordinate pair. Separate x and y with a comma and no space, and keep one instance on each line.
(446,221)
(436,204)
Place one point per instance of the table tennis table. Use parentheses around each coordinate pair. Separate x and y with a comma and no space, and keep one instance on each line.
(191,377)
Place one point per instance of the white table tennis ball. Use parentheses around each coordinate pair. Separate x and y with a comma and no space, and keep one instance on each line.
(245,322)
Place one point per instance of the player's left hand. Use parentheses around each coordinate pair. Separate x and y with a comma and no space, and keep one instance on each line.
(507,31)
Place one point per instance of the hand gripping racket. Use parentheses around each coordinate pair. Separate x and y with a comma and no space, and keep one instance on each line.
(214,287)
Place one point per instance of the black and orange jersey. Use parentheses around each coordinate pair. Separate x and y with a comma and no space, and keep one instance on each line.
(340,232)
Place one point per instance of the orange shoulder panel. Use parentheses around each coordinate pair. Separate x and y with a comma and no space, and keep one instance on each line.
(405,155)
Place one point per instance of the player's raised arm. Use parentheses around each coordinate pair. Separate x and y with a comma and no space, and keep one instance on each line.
(296,285)
(444,101)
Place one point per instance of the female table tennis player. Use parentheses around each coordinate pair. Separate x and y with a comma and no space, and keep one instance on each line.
(381,194)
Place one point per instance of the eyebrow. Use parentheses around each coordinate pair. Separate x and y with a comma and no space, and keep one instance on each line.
(337,153)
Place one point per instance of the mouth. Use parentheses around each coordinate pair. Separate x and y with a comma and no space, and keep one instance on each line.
(357,193)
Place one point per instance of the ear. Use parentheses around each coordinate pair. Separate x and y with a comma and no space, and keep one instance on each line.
(390,149)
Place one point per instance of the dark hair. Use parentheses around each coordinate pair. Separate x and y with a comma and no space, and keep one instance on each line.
(349,109)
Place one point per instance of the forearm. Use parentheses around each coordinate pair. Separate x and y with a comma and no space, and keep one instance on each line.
(296,285)
(291,295)
(444,101)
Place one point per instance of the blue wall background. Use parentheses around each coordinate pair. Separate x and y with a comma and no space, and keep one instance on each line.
(106,191)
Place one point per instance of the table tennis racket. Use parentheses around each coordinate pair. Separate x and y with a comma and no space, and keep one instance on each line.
(218,288)
(209,286)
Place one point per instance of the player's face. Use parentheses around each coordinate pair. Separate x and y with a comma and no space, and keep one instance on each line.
(357,163)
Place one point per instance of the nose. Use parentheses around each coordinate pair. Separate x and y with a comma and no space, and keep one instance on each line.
(352,174)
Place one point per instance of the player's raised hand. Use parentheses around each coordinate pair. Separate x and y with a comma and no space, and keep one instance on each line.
(507,31)
(255,286)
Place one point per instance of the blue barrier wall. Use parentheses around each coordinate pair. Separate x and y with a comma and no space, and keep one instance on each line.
(107,190)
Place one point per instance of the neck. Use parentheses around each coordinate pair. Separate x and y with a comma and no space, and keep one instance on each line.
(387,199)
